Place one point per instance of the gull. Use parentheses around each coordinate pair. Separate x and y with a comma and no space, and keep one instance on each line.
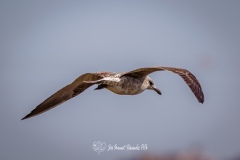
(126,83)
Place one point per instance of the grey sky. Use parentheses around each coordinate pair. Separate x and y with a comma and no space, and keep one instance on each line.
(47,44)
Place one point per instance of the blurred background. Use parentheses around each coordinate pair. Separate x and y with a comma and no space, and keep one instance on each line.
(45,45)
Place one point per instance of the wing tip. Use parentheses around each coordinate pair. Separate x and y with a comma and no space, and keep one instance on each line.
(26,117)
(201,99)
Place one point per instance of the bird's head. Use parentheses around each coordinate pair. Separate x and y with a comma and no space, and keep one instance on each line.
(152,86)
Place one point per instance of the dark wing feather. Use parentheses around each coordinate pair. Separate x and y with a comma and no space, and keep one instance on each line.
(66,93)
(187,76)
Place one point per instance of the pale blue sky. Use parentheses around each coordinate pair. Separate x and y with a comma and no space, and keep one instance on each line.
(47,44)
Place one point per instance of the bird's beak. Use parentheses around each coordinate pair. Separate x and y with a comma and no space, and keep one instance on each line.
(156,89)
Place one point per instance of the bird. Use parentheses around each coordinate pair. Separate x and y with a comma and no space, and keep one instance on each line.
(126,83)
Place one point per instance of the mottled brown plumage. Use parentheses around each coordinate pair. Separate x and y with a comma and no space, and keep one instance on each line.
(127,83)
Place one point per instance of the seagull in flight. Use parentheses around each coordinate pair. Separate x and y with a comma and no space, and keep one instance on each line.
(126,83)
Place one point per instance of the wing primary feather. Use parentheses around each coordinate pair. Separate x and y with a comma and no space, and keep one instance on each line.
(64,94)
(187,76)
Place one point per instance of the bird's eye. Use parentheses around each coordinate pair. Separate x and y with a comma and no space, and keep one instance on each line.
(150,82)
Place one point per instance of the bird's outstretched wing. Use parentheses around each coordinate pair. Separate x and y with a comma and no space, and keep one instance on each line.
(187,76)
(66,93)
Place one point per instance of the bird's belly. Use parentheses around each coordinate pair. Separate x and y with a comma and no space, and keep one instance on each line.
(126,86)
(124,91)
